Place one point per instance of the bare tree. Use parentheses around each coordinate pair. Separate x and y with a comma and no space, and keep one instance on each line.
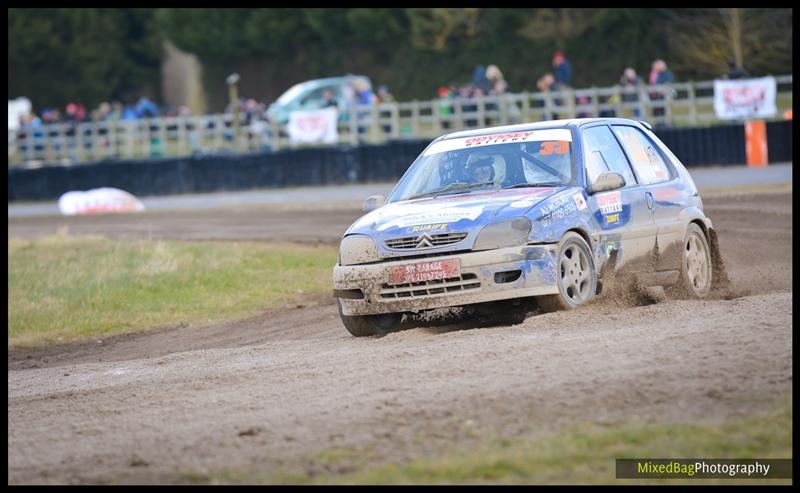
(710,39)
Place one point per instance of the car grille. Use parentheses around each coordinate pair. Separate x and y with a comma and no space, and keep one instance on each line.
(409,242)
(417,289)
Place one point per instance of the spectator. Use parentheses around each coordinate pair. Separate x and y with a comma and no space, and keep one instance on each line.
(102,112)
(251,111)
(480,80)
(146,108)
(659,75)
(736,72)
(129,113)
(328,100)
(630,78)
(51,116)
(445,106)
(116,111)
(582,101)
(546,84)
(364,94)
(631,82)
(384,96)
(71,113)
(562,71)
(498,82)
(32,124)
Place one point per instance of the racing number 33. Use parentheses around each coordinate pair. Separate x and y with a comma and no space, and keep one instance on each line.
(558,147)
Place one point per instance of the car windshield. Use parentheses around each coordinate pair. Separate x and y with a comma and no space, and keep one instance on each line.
(489,162)
(292,93)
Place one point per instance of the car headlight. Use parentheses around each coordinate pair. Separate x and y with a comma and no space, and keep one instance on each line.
(503,234)
(357,249)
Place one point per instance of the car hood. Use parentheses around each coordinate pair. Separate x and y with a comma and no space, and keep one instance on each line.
(450,214)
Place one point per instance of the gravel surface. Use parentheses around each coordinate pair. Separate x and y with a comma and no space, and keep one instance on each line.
(267,393)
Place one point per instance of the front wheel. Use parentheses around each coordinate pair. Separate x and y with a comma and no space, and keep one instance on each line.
(370,325)
(575,275)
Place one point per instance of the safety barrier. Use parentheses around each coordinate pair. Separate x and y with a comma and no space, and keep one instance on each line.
(718,145)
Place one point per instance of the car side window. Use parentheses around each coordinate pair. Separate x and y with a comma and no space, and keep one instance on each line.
(602,153)
(315,96)
(648,163)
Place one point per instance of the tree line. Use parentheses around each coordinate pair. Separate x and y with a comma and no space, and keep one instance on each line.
(91,55)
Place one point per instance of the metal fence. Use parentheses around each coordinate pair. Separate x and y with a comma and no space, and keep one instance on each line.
(675,105)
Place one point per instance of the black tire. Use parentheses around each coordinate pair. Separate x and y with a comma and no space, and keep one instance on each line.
(370,325)
(697,271)
(576,275)
(503,312)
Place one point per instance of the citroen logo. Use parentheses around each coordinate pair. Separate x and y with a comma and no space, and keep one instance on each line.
(424,241)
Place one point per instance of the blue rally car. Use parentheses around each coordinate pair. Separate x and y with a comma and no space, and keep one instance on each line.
(540,210)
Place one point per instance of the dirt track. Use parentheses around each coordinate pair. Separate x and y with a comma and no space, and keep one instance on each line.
(265,394)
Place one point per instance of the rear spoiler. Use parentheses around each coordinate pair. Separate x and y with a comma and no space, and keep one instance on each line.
(647,125)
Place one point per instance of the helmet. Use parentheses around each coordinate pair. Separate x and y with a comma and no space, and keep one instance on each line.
(480,168)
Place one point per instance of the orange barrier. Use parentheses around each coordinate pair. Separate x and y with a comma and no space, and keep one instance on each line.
(755,138)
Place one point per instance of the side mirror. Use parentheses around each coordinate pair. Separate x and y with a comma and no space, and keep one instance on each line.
(607,181)
(373,202)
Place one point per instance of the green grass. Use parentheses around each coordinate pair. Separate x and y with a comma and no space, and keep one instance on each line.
(64,288)
(579,455)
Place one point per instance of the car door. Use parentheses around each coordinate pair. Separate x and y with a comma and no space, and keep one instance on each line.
(666,193)
(623,216)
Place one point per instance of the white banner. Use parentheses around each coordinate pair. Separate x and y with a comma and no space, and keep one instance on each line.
(307,127)
(744,99)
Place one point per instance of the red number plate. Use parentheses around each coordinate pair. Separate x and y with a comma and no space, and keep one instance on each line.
(428,271)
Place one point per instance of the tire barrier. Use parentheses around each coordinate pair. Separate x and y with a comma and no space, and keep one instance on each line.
(718,145)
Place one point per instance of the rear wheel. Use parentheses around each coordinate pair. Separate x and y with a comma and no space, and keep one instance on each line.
(696,266)
(370,325)
(575,273)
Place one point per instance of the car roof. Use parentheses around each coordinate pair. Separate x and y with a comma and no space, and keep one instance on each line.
(332,80)
(521,127)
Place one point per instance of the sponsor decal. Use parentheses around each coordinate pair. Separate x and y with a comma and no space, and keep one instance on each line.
(557,209)
(497,138)
(609,202)
(560,138)
(429,227)
(665,194)
(612,218)
(434,216)
(580,202)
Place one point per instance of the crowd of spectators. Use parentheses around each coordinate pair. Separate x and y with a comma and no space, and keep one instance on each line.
(486,81)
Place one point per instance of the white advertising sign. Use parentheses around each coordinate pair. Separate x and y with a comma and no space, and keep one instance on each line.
(745,98)
(309,127)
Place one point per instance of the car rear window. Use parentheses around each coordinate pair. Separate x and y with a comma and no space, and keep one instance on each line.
(648,163)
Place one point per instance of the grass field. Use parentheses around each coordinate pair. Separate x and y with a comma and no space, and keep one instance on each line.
(64,288)
(580,455)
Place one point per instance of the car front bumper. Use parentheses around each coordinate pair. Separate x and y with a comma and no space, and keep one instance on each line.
(485,276)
